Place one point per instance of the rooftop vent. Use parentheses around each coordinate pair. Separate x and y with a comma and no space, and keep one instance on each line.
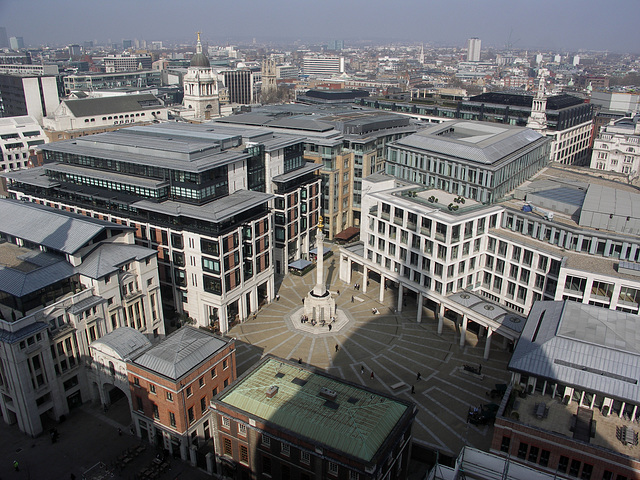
(271,391)
(328,394)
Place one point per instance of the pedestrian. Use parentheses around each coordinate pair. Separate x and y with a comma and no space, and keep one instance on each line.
(15,466)
(362,370)
(329,327)
(300,361)
(419,376)
(337,347)
(351,298)
(303,300)
(372,375)
(479,369)
(367,283)
(119,432)
(413,389)
(338,292)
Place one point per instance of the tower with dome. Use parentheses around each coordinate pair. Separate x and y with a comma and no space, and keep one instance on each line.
(201,100)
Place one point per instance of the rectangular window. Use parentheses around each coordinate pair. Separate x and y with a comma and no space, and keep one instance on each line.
(305,457)
(533,454)
(242,429)
(563,463)
(575,468)
(333,469)
(522,450)
(226,423)
(189,392)
(213,373)
(587,469)
(544,458)
(506,442)
(266,465)
(225,364)
(284,449)
(203,404)
(244,455)
(201,382)
(152,388)
(140,404)
(156,412)
(191,415)
(226,445)
(170,396)
(266,440)
(172,419)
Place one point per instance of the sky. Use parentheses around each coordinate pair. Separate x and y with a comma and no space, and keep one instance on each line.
(560,25)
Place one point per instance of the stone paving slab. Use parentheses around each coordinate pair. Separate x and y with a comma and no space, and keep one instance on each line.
(393,346)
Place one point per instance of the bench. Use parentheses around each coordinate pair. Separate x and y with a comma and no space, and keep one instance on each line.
(396,386)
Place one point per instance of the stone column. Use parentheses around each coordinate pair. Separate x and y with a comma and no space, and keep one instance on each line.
(624,404)
(192,455)
(440,315)
(400,292)
(420,299)
(320,288)
(382,283)
(463,330)
(365,276)
(487,343)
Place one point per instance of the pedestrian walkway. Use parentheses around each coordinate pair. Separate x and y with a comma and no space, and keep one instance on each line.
(389,344)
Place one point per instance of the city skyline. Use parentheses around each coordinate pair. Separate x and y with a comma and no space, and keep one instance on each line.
(565,26)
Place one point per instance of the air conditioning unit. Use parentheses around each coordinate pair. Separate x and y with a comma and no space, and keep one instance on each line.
(328,394)
(271,391)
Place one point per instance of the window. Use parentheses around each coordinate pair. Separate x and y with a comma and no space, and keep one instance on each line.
(136,381)
(170,396)
(354,475)
(191,415)
(305,457)
(172,419)
(563,463)
(226,445)
(575,468)
(225,364)
(533,454)
(189,392)
(201,382)
(156,412)
(242,429)
(203,404)
(152,388)
(140,404)
(244,455)
(266,440)
(506,442)
(285,449)
(226,423)
(266,465)
(214,374)
(333,469)
(587,469)
(544,458)
(522,450)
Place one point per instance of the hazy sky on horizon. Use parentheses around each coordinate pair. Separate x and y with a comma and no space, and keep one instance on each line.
(563,25)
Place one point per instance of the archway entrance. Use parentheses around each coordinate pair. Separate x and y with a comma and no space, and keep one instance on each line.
(118,407)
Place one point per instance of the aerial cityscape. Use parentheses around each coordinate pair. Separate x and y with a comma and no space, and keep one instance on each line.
(351,240)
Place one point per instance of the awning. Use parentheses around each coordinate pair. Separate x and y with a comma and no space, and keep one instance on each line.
(314,251)
(300,264)
(348,233)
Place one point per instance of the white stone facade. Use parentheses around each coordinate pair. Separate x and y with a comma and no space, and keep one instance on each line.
(18,136)
(617,148)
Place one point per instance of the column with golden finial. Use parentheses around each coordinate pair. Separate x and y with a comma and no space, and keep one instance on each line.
(320,289)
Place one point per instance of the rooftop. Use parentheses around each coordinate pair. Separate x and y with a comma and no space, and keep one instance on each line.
(86,107)
(356,421)
(181,352)
(479,142)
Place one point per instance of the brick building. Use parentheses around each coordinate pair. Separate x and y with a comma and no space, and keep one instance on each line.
(171,386)
(286,421)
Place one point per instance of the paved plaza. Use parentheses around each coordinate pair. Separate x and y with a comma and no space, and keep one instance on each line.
(388,344)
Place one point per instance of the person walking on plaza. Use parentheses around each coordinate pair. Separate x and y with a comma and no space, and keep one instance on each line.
(337,347)
(413,389)
(361,369)
(372,375)
(419,376)
(16,467)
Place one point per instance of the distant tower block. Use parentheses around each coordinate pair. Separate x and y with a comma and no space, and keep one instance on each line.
(473,49)
(319,304)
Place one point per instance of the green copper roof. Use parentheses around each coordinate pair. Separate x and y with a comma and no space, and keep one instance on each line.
(356,422)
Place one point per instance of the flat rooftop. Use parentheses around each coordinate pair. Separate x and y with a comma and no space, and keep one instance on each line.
(356,421)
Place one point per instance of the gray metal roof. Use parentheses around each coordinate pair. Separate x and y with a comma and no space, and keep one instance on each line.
(307,168)
(611,209)
(19,283)
(13,337)
(125,341)
(55,229)
(479,142)
(584,346)
(216,211)
(563,195)
(105,258)
(180,352)
(86,107)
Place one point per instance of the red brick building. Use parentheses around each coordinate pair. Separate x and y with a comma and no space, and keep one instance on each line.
(282,420)
(172,384)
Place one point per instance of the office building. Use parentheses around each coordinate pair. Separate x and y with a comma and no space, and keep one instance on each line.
(572,406)
(569,119)
(65,281)
(35,96)
(19,136)
(240,85)
(283,420)
(617,147)
(127,62)
(322,65)
(473,49)
(287,71)
(4,40)
(559,237)
(618,102)
(348,144)
(172,385)
(201,196)
(16,43)
(108,81)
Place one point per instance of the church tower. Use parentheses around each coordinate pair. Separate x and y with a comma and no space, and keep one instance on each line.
(538,119)
(269,85)
(200,87)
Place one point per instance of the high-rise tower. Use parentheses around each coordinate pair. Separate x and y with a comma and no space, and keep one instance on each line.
(473,49)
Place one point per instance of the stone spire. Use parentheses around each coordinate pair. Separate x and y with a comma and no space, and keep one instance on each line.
(538,118)
(319,290)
